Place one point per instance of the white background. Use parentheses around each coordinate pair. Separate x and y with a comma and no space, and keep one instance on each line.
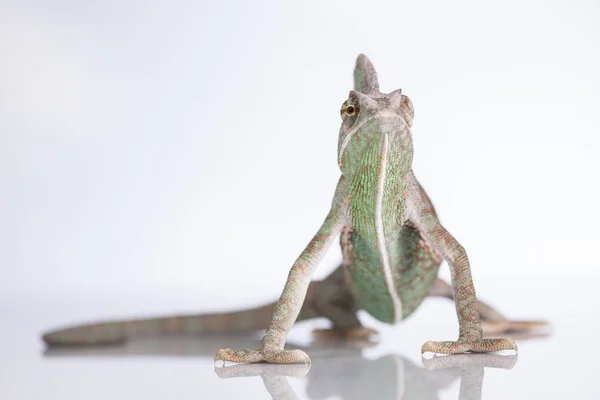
(166,156)
(150,146)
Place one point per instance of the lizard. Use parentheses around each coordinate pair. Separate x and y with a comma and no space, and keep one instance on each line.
(392,242)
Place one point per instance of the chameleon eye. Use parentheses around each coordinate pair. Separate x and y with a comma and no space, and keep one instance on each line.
(349,110)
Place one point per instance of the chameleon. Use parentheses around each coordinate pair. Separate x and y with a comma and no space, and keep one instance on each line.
(392,243)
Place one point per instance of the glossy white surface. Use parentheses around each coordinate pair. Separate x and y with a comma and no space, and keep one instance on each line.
(556,367)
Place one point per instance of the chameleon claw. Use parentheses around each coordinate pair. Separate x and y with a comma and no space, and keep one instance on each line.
(256,356)
(287,357)
(239,356)
(475,346)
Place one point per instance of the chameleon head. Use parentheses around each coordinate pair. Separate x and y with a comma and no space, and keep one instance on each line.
(374,124)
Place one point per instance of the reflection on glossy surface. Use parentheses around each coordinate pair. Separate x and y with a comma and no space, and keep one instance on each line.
(338,369)
(204,345)
(471,368)
(390,377)
(179,346)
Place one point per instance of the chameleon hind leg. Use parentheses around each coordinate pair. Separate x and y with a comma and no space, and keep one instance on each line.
(492,321)
(332,299)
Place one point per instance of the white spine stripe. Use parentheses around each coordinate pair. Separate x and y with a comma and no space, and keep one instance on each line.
(385,257)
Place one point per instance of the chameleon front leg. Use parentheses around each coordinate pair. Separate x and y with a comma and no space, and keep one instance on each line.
(289,304)
(470,338)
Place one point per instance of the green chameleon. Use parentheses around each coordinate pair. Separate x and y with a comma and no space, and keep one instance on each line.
(392,244)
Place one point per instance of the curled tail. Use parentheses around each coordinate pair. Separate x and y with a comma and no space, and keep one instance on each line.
(112,332)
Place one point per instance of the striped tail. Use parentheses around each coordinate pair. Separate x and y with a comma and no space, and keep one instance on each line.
(112,332)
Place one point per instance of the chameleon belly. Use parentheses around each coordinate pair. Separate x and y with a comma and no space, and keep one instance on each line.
(414,268)
(367,280)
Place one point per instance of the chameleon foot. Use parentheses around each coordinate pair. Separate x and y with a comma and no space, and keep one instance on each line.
(256,356)
(513,326)
(355,333)
(475,346)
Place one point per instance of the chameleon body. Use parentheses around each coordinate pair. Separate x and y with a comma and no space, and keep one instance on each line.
(392,244)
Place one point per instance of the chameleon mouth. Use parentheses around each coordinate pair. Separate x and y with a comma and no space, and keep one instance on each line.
(384,115)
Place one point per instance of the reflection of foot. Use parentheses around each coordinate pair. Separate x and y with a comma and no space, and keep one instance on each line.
(256,356)
(274,376)
(471,367)
(244,370)
(465,346)
(388,377)
(513,326)
(354,333)
(470,360)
